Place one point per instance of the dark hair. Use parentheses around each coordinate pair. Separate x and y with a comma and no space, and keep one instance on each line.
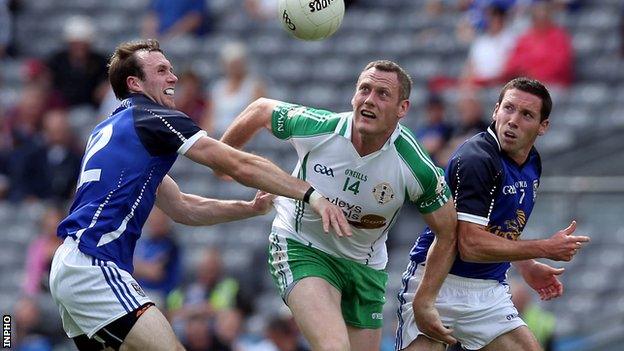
(533,87)
(123,63)
(405,81)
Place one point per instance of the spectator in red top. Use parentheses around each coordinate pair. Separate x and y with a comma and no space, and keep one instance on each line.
(544,51)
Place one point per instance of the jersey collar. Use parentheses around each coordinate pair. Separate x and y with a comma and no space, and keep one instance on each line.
(345,129)
(491,130)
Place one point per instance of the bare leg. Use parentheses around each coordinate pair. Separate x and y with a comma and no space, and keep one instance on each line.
(519,339)
(423,343)
(151,332)
(315,304)
(364,339)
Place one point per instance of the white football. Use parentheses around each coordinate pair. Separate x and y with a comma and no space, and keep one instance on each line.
(311,19)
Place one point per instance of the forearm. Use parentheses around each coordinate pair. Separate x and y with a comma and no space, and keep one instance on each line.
(442,253)
(201,211)
(485,247)
(441,256)
(260,173)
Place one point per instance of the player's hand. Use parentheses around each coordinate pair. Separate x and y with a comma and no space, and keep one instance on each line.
(543,279)
(428,322)
(262,203)
(331,215)
(563,245)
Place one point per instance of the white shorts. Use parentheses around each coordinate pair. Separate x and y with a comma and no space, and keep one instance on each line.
(478,310)
(89,292)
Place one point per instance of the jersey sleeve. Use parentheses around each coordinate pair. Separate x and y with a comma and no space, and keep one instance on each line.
(474,178)
(428,190)
(303,126)
(435,191)
(166,131)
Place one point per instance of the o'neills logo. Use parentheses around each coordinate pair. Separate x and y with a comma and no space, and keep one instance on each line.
(369,221)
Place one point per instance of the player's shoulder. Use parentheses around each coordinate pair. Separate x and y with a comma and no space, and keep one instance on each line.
(145,109)
(479,149)
(412,154)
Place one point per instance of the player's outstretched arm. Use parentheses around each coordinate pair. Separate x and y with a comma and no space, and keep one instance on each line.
(260,173)
(196,210)
(476,244)
(441,255)
(255,117)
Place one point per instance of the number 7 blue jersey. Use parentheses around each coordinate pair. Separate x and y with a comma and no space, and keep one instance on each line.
(492,190)
(125,160)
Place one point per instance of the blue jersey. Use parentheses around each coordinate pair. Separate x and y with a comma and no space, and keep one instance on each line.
(125,160)
(492,190)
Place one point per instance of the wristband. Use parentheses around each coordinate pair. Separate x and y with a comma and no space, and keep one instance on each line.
(306,196)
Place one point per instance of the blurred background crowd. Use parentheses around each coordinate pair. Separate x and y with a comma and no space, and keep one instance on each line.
(218,294)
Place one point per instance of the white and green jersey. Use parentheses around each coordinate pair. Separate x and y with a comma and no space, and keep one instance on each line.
(370,190)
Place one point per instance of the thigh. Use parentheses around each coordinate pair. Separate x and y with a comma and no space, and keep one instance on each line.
(151,332)
(315,305)
(423,343)
(90,291)
(519,339)
(364,295)
(364,339)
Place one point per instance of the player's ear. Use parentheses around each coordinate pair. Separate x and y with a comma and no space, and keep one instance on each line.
(134,84)
(543,127)
(403,107)
(495,110)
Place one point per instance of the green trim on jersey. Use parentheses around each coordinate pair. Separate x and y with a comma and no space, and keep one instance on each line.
(300,205)
(430,178)
(289,120)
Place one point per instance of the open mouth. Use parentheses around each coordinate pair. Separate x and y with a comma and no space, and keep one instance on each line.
(510,135)
(169,91)
(368,114)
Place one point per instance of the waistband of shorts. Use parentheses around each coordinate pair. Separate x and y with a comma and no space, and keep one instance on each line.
(466,283)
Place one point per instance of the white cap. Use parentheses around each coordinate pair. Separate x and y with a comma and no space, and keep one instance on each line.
(78,28)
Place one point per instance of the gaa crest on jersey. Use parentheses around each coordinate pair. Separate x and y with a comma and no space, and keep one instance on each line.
(383,193)
(138,288)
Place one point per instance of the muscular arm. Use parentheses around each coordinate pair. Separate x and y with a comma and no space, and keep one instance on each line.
(476,244)
(439,261)
(442,252)
(247,169)
(196,210)
(255,117)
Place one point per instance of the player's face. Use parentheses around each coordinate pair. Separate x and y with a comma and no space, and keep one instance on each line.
(159,81)
(376,104)
(518,123)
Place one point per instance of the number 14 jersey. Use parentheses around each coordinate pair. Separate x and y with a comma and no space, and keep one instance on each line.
(370,190)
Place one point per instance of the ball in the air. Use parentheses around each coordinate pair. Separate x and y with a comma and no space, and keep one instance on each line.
(311,19)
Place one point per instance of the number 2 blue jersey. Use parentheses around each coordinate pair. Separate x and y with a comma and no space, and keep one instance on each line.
(492,190)
(126,158)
